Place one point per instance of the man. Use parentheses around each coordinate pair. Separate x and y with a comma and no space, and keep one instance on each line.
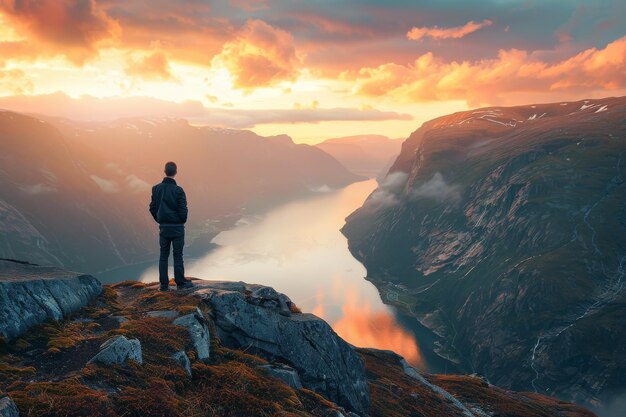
(169,208)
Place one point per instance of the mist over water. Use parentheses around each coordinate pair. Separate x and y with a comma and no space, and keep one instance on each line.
(298,249)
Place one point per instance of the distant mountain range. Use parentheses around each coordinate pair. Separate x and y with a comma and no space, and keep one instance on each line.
(76,194)
(503,230)
(369,155)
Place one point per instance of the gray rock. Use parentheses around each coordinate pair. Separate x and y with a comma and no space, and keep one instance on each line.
(8,408)
(286,373)
(119,319)
(31,294)
(182,358)
(245,318)
(408,369)
(337,413)
(118,350)
(414,373)
(199,332)
(167,314)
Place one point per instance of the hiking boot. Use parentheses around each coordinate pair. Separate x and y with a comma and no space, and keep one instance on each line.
(164,288)
(185,285)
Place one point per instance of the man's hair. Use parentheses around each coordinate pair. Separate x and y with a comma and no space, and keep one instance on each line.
(170,169)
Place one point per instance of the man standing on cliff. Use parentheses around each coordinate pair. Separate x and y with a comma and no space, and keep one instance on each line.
(169,208)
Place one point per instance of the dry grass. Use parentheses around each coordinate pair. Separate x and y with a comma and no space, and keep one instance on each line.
(391,389)
(69,398)
(503,402)
(67,335)
(294,308)
(7,370)
(236,389)
(229,385)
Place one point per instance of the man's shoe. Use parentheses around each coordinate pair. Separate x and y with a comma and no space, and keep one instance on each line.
(164,288)
(185,285)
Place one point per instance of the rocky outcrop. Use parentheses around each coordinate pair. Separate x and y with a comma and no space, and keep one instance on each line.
(501,229)
(183,360)
(118,350)
(285,373)
(8,408)
(237,380)
(31,294)
(259,319)
(198,331)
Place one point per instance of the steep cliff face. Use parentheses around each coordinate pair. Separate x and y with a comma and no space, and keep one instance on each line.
(502,230)
(31,294)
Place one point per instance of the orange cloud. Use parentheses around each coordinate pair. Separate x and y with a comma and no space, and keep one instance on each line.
(436,32)
(15,80)
(153,66)
(73,28)
(262,55)
(489,81)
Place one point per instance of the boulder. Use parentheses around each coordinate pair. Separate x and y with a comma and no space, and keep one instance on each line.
(285,373)
(8,408)
(118,350)
(31,294)
(183,360)
(258,318)
(199,332)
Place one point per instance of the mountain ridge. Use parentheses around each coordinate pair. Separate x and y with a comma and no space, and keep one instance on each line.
(90,182)
(503,224)
(369,155)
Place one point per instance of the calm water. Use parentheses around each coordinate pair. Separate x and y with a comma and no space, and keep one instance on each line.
(297,248)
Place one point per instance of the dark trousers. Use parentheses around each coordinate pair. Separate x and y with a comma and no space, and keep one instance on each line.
(174,236)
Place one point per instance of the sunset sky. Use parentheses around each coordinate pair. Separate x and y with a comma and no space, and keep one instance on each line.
(311,69)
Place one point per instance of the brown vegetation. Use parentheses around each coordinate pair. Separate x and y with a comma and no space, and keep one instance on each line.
(394,393)
(230,384)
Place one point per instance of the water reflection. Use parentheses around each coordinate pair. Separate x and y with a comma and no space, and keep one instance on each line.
(298,249)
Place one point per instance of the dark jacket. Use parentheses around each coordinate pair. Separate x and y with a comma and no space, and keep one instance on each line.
(169,203)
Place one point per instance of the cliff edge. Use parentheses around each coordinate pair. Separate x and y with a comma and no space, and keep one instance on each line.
(31,294)
(227,349)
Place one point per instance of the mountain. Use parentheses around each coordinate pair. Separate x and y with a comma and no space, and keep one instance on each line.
(221,348)
(502,230)
(369,155)
(76,194)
